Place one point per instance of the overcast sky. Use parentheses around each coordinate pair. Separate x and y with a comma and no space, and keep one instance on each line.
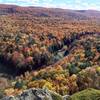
(66,4)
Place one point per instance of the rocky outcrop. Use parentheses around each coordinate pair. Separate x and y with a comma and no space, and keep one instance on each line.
(44,94)
(36,94)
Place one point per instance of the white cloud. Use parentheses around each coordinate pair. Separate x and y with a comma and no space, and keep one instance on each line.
(28,1)
(44,3)
(86,4)
(47,0)
(35,1)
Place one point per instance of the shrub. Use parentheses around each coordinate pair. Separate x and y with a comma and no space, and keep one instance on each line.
(19,85)
(85,64)
(1,94)
(73,69)
(98,47)
(56,96)
(89,54)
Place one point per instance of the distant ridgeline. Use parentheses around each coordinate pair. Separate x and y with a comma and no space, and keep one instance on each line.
(48,12)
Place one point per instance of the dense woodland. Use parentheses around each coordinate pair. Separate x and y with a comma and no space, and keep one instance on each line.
(47,51)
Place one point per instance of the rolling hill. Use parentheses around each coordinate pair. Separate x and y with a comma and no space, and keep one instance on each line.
(49,12)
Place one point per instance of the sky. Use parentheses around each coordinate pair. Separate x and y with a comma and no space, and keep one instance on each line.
(65,4)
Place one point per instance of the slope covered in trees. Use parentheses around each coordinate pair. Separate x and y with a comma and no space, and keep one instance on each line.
(48,48)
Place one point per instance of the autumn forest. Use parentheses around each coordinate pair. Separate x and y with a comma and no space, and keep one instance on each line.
(49,48)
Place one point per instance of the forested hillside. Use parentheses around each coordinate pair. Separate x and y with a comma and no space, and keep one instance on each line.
(47,48)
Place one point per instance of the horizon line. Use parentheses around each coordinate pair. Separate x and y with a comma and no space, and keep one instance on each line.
(10,4)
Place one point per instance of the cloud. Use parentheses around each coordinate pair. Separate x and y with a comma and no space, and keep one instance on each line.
(35,1)
(44,3)
(86,4)
(32,1)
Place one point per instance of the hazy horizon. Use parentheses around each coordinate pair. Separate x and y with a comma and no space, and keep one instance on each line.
(64,4)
